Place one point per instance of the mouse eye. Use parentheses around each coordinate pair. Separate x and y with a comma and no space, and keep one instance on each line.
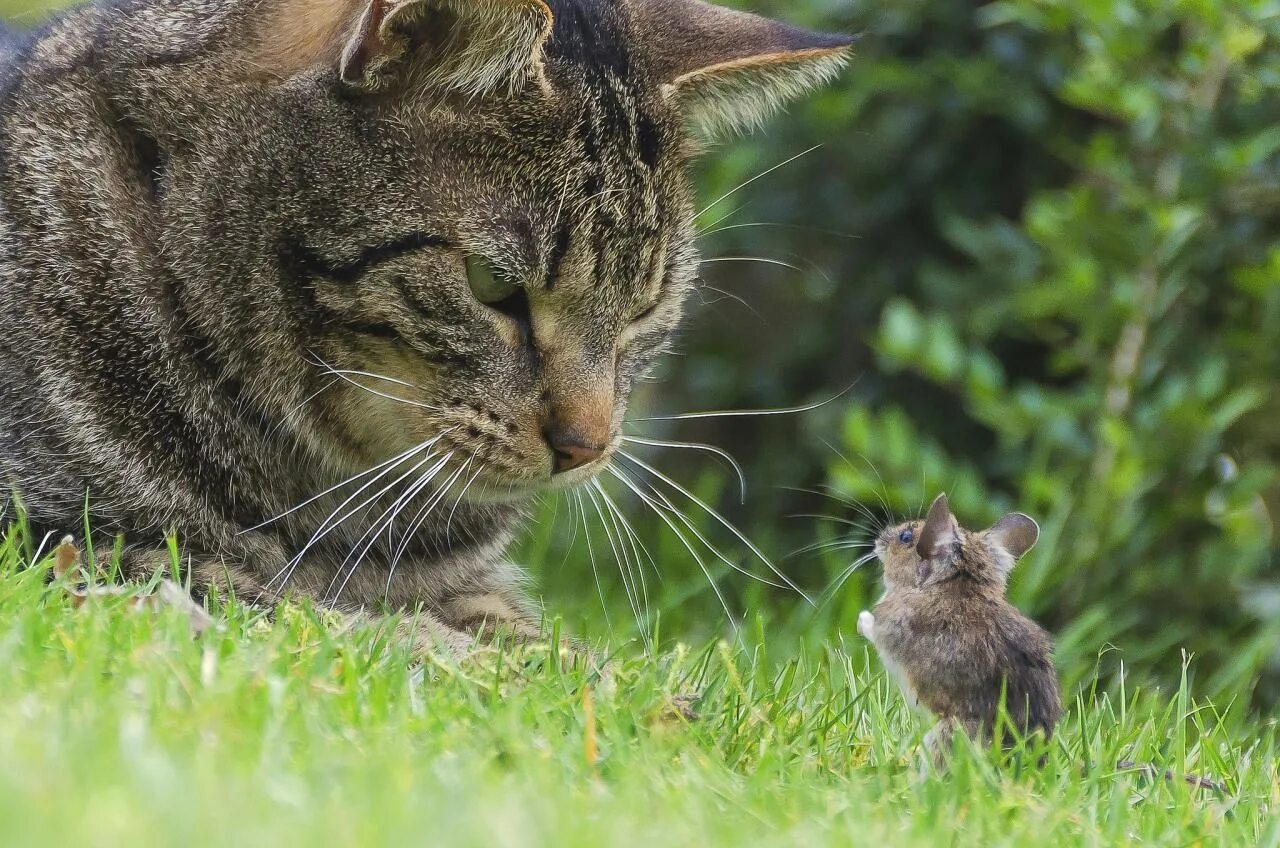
(906,536)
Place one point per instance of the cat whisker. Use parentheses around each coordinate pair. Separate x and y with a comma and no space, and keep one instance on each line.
(347,375)
(462,493)
(749,413)
(637,545)
(763,260)
(39,552)
(381,465)
(591,554)
(329,525)
(773,260)
(658,511)
(288,417)
(573,529)
(698,446)
(417,521)
(720,519)
(318,361)
(383,522)
(758,176)
(569,175)
(726,216)
(667,506)
(762,224)
(597,196)
(619,557)
(704,286)
(286,571)
(373,530)
(350,372)
(627,538)
(343,375)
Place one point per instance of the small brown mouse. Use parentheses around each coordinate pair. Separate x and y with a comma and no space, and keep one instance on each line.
(946,631)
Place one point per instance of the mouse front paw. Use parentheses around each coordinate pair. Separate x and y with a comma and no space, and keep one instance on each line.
(866,624)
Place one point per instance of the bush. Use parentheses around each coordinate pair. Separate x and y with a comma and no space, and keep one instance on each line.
(1068,276)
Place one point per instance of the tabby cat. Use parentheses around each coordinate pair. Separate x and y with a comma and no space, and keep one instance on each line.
(253,249)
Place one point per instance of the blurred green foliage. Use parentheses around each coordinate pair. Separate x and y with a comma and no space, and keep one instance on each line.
(1062,296)
(1042,237)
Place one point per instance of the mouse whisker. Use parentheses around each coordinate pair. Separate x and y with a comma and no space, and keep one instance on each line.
(832,545)
(845,574)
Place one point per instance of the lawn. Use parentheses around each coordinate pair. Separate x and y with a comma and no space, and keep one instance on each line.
(117,727)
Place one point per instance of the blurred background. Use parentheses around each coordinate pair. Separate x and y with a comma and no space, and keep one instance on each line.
(1035,263)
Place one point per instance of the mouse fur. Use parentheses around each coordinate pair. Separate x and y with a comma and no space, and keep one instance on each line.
(945,630)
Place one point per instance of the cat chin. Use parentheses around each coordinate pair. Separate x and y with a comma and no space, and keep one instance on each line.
(521,491)
(511,495)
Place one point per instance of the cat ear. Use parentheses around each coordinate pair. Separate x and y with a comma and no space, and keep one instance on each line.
(729,70)
(1015,533)
(467,46)
(940,533)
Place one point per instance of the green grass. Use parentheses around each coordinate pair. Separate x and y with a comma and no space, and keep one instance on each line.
(119,728)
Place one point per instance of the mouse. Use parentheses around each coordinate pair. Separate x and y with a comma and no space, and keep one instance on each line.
(948,634)
(946,631)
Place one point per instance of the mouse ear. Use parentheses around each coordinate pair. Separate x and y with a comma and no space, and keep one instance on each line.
(1016,533)
(940,534)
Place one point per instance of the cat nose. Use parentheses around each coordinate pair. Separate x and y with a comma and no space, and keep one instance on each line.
(570,449)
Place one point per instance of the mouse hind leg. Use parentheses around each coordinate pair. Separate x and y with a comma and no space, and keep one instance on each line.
(939,742)
(937,745)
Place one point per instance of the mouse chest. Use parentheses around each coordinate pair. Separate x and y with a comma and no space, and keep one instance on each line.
(899,676)
(925,653)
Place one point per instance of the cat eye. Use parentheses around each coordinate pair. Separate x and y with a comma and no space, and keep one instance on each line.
(489,285)
(906,537)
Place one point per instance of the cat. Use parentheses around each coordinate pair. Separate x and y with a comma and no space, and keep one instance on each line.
(410,255)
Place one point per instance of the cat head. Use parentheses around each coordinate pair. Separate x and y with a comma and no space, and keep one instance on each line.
(474,213)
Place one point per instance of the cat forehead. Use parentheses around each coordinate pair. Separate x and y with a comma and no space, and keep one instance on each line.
(583,138)
(580,182)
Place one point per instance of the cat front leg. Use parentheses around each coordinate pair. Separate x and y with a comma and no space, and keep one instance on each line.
(258,574)
(492,604)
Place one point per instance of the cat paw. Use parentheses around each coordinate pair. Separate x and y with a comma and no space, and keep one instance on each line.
(866,624)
